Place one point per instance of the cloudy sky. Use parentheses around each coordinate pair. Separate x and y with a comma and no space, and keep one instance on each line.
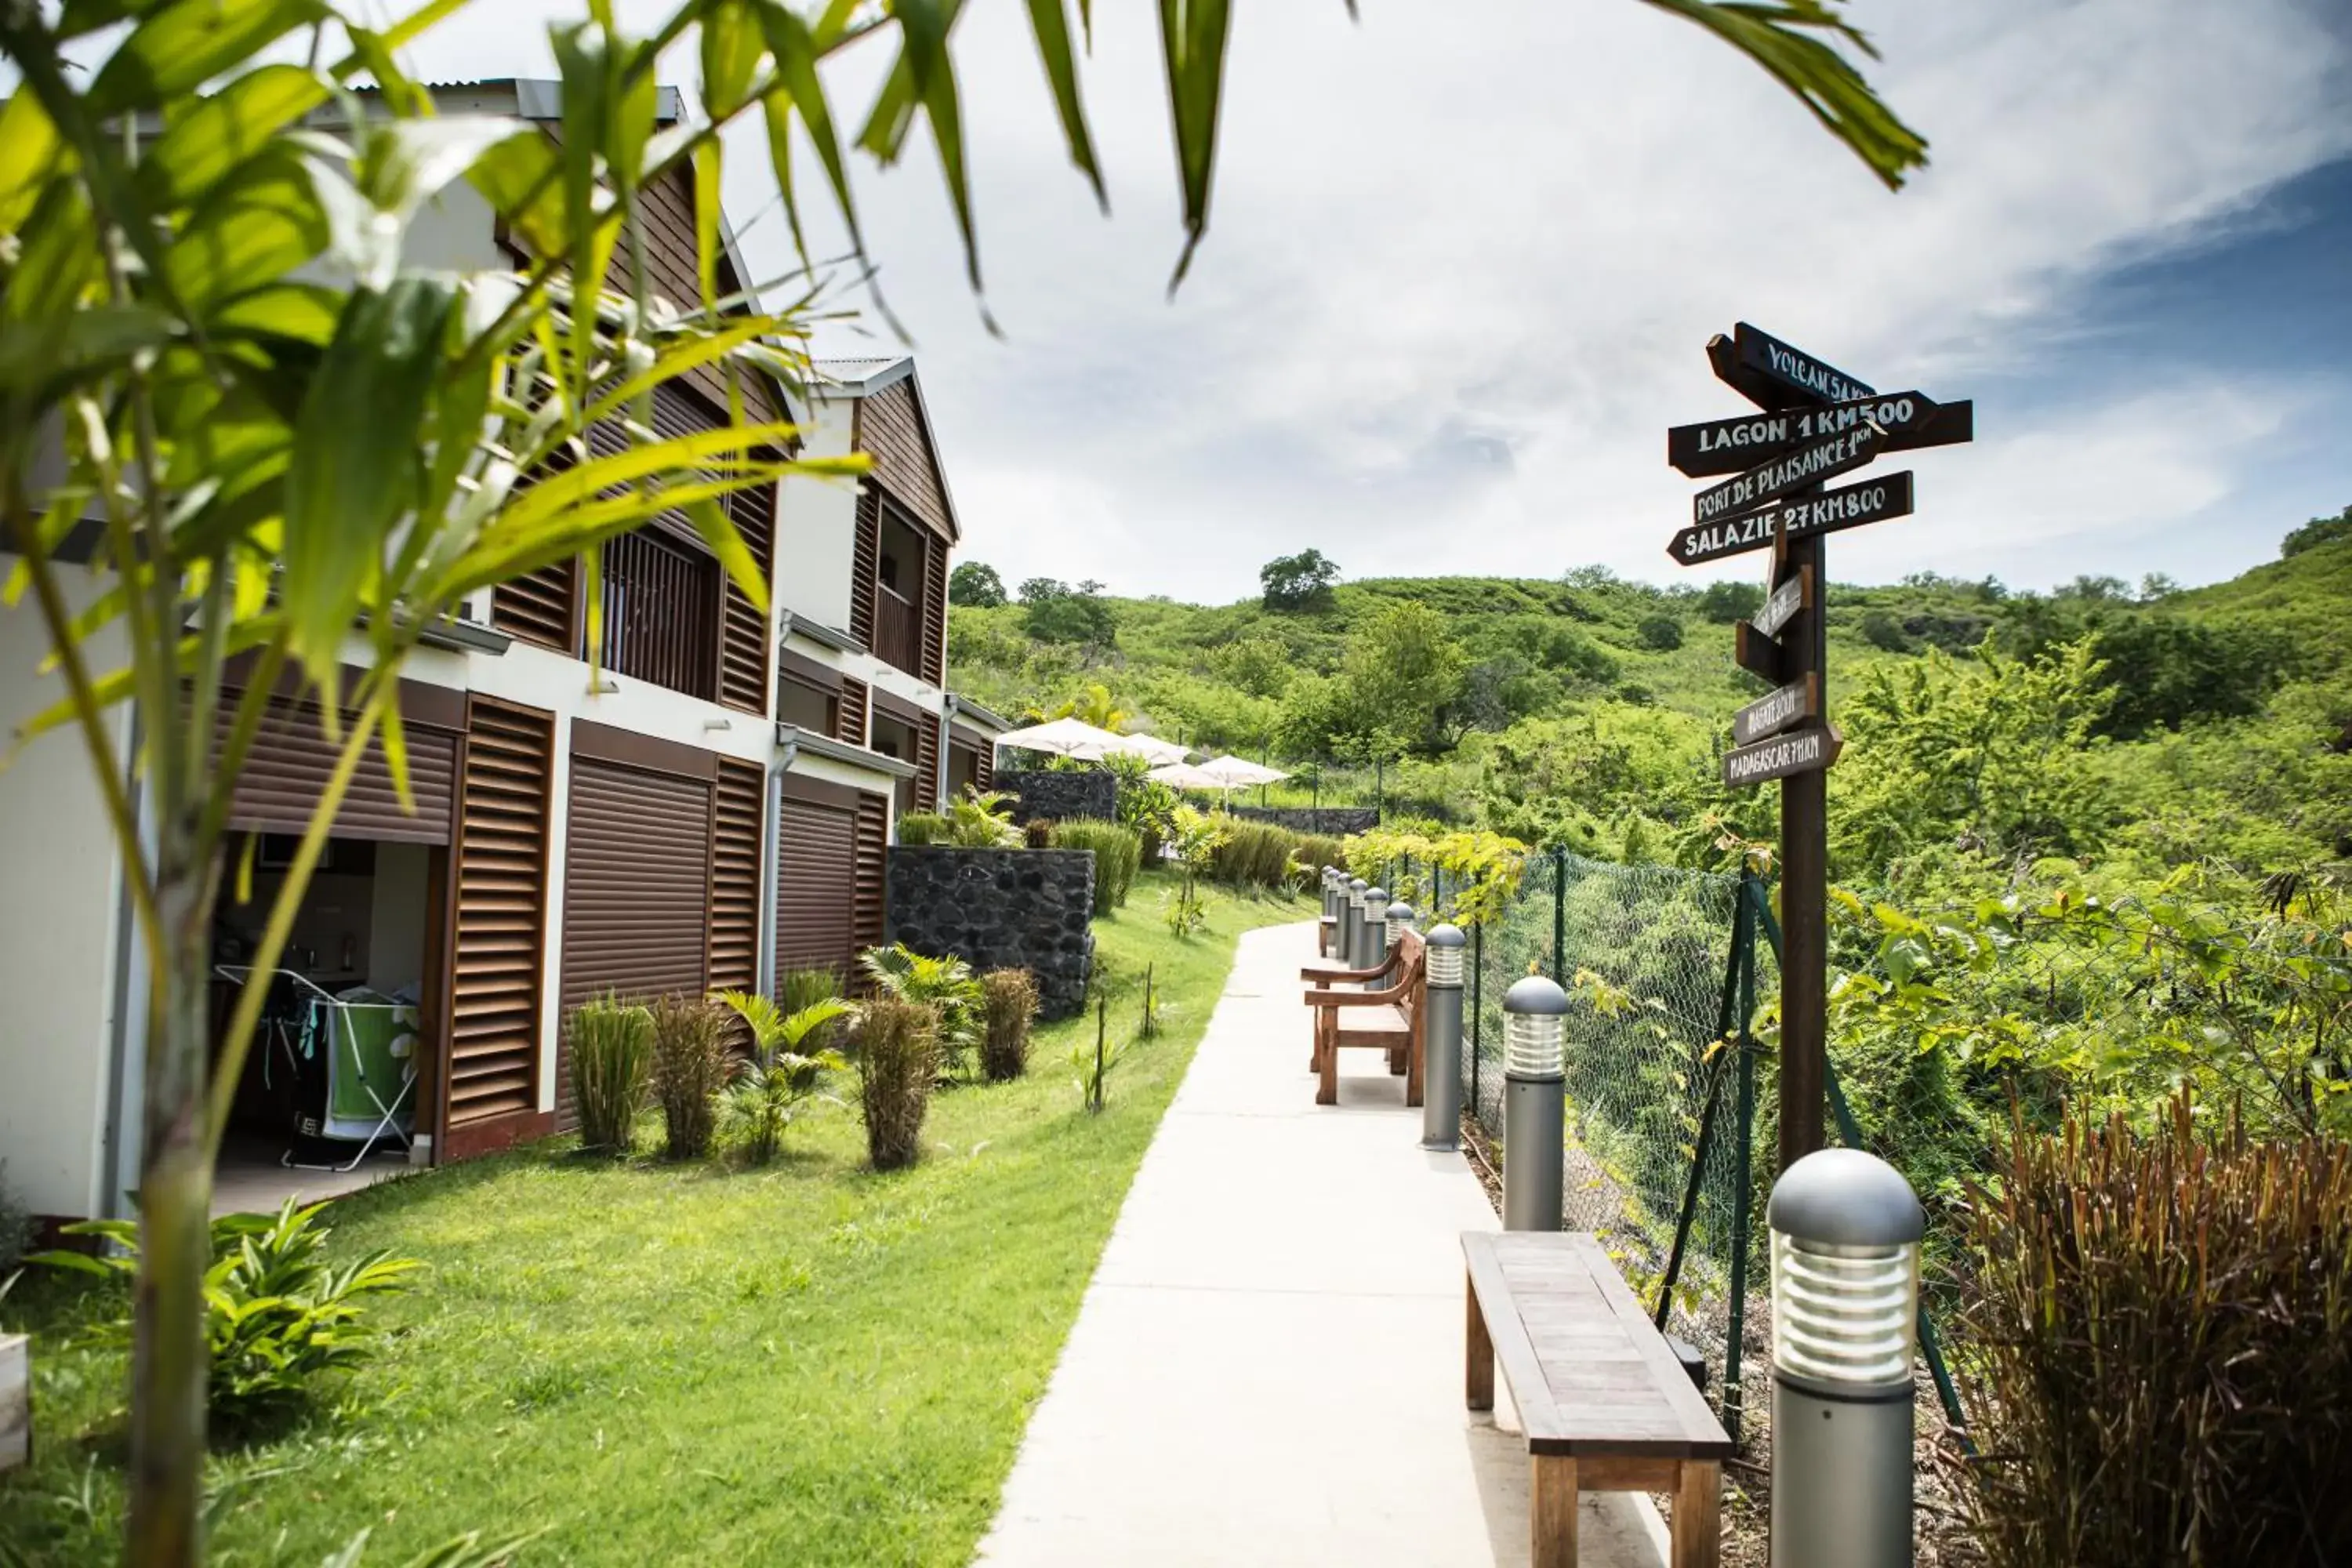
(1464,260)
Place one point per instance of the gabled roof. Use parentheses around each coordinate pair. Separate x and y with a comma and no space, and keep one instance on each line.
(856,378)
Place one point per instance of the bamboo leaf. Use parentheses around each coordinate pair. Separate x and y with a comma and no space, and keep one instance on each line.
(181,46)
(301,312)
(711,523)
(207,144)
(1051,24)
(39,358)
(29,147)
(674,362)
(572,485)
(262,223)
(706,173)
(1192,35)
(353,471)
(1822,79)
(924,26)
(731,54)
(395,757)
(796,55)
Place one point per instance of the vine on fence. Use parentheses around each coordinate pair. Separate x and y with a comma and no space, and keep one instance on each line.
(1481,871)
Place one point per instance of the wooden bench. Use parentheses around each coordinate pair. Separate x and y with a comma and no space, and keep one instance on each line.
(1386,1018)
(1604,1402)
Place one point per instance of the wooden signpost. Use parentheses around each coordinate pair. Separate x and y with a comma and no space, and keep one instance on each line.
(1817,422)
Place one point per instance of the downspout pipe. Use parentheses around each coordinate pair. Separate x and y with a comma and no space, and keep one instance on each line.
(772,861)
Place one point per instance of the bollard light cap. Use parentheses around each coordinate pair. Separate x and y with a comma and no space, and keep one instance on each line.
(1357,884)
(1445,936)
(1400,912)
(1536,995)
(1376,898)
(1845,1198)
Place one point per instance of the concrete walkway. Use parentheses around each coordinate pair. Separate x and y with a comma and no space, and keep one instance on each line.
(1268,1366)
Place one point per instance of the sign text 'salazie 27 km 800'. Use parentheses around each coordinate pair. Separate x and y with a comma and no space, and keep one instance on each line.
(1816,423)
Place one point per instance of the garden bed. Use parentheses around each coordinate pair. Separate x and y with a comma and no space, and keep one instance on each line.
(809,1363)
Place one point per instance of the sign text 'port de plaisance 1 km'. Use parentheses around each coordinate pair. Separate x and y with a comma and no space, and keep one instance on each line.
(1840,453)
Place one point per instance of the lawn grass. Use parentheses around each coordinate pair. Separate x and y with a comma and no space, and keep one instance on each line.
(811,1364)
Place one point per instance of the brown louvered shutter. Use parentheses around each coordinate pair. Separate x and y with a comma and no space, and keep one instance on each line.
(866,565)
(735,876)
(637,891)
(541,606)
(935,612)
(817,878)
(926,762)
(983,767)
(743,646)
(501,899)
(868,913)
(290,761)
(851,728)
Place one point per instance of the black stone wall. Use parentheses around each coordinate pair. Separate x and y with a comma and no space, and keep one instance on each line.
(1060,796)
(1332,821)
(1000,909)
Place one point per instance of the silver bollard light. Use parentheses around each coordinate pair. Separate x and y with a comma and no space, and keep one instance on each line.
(1535,1104)
(1845,1306)
(1400,917)
(1330,910)
(1351,923)
(1372,934)
(1441,1036)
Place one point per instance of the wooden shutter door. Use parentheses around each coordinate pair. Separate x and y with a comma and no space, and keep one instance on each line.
(637,891)
(935,613)
(289,766)
(492,1079)
(866,565)
(926,762)
(868,915)
(816,877)
(735,879)
(851,730)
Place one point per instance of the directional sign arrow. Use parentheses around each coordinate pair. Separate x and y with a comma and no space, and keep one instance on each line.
(1808,465)
(1910,419)
(1803,750)
(1849,506)
(1759,655)
(1796,594)
(1773,375)
(1775,711)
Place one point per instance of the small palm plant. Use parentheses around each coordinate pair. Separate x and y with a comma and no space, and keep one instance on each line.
(979,821)
(768,1090)
(947,984)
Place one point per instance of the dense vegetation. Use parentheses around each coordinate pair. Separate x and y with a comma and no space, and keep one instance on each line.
(2132,731)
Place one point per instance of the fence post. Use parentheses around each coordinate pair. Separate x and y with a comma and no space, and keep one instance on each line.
(1478,1010)
(1742,936)
(1559,915)
(1734,1398)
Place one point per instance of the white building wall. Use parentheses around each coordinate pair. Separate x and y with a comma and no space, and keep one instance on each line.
(59,895)
(816,526)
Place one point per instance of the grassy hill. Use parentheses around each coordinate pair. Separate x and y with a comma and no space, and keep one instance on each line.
(1587,709)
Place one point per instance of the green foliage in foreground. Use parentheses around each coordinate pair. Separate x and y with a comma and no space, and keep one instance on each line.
(808,1364)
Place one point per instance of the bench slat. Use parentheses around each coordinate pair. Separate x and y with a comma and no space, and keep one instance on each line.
(1590,1373)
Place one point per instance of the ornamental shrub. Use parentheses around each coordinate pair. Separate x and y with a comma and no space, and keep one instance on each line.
(923,827)
(612,1060)
(897,1058)
(689,1067)
(1009,1005)
(2163,1326)
(1118,852)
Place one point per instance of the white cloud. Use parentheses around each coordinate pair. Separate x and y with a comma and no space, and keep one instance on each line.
(1460,273)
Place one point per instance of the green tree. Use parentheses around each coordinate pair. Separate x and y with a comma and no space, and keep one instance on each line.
(2317,531)
(1724,603)
(281,459)
(1054,611)
(1261,666)
(1300,582)
(1881,629)
(1662,632)
(975,583)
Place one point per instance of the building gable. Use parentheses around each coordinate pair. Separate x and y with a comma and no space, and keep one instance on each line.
(893,429)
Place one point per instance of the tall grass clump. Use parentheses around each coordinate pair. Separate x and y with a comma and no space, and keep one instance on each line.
(898,1059)
(690,1063)
(923,827)
(1118,855)
(1008,1001)
(800,989)
(15,1226)
(1314,851)
(1258,855)
(612,1061)
(2164,1327)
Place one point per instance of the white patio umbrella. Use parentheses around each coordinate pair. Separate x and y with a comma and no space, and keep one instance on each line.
(1062,738)
(1184,775)
(1150,747)
(1240,773)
